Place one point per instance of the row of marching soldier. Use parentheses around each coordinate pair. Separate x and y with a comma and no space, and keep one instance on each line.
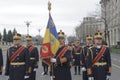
(94,59)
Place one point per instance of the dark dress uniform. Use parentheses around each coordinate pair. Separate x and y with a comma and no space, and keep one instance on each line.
(45,68)
(83,56)
(1,61)
(83,60)
(17,66)
(62,66)
(76,57)
(17,69)
(62,70)
(34,58)
(102,68)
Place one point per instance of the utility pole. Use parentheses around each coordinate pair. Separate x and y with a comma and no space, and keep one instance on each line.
(28,24)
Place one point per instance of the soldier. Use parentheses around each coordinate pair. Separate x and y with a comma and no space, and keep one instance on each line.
(34,57)
(62,60)
(45,68)
(72,50)
(17,63)
(1,61)
(76,57)
(84,56)
(98,60)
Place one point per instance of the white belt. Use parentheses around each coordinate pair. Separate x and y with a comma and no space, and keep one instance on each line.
(77,53)
(100,63)
(32,58)
(17,63)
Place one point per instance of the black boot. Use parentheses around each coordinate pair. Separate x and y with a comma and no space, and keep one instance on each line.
(75,70)
(79,71)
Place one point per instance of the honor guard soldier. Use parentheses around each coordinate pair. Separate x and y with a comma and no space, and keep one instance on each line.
(45,68)
(1,61)
(72,50)
(98,60)
(76,56)
(62,60)
(84,56)
(18,63)
(34,57)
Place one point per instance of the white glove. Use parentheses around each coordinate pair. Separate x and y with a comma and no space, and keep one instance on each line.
(83,69)
(90,78)
(107,77)
(26,77)
(73,60)
(51,78)
(53,60)
(35,69)
(42,73)
(99,46)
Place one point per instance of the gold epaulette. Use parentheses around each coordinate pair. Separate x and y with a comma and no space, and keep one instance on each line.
(83,47)
(91,47)
(91,52)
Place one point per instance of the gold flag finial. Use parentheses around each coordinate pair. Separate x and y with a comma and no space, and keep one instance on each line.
(49,6)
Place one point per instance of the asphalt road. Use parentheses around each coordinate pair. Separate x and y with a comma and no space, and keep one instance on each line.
(115,70)
(115,67)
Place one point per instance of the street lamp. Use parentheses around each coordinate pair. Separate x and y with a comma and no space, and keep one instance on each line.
(28,24)
(39,31)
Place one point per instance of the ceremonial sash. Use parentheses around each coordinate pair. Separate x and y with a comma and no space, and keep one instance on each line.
(99,55)
(17,53)
(62,52)
(31,48)
(76,49)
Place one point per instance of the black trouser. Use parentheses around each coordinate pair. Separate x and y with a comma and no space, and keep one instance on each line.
(45,68)
(84,76)
(33,75)
(75,68)
(17,72)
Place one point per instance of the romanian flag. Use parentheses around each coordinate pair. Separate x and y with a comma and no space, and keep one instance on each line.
(50,42)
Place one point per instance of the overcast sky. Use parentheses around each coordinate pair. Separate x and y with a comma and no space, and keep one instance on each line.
(66,14)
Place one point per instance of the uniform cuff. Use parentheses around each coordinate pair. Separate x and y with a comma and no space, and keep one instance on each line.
(90,75)
(58,62)
(109,74)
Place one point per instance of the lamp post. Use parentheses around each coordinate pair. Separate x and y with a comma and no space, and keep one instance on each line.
(28,24)
(39,31)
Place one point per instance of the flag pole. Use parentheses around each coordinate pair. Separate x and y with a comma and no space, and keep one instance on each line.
(52,66)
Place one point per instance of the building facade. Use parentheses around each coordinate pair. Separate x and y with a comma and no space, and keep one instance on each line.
(89,25)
